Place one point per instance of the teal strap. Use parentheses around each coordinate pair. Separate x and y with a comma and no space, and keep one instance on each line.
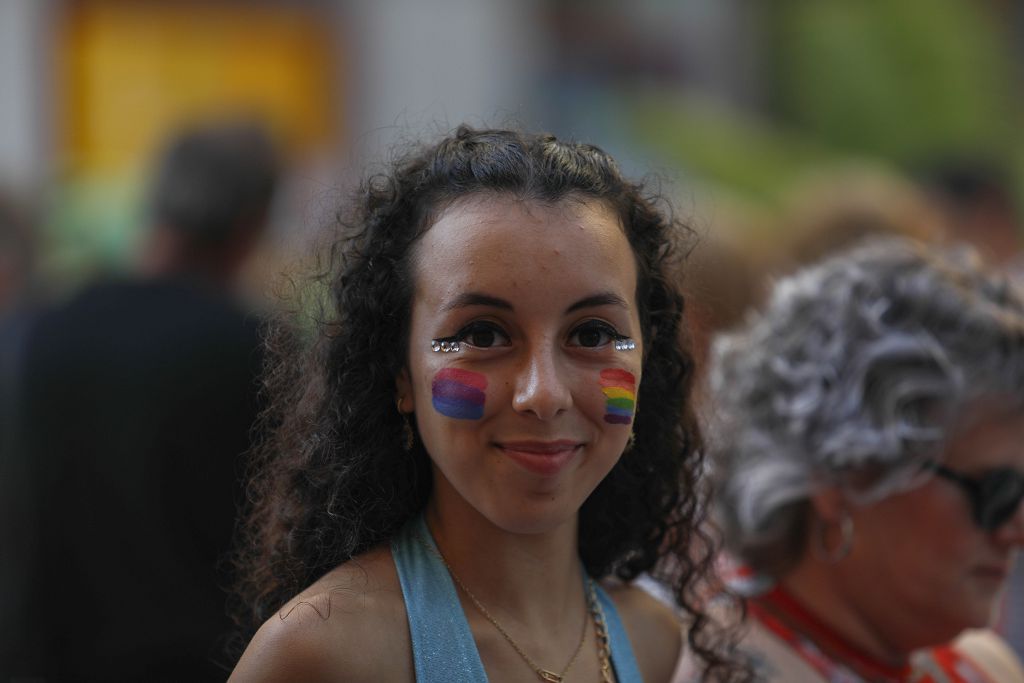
(623,660)
(443,648)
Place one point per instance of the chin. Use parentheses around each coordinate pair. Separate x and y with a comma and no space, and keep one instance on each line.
(533,517)
(984,607)
(939,631)
(977,615)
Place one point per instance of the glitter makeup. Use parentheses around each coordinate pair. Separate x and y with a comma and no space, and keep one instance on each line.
(444,346)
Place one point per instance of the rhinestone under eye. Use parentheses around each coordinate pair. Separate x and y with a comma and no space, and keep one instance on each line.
(624,344)
(444,346)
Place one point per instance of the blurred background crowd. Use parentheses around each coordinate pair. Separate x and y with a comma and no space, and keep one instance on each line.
(757,115)
(781,130)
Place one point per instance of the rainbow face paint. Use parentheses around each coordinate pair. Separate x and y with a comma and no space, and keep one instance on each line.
(619,389)
(459,394)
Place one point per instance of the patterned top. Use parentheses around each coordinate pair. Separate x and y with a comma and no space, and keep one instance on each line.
(835,660)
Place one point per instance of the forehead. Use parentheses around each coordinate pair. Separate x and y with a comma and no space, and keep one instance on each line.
(988,436)
(502,244)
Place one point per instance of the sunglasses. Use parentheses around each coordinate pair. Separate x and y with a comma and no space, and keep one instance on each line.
(995,495)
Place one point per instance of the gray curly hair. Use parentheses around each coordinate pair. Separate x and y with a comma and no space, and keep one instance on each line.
(850,378)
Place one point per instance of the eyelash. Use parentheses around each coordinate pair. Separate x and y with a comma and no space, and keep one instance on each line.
(598,326)
(478,326)
(475,327)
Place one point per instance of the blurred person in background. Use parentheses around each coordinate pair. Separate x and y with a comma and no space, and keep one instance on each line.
(834,208)
(138,397)
(16,268)
(869,470)
(17,261)
(967,201)
(17,256)
(976,197)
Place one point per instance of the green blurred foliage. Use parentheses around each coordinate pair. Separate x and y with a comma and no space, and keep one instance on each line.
(757,159)
(905,80)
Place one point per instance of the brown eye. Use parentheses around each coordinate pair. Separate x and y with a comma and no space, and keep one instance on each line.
(482,335)
(590,337)
(593,334)
(482,338)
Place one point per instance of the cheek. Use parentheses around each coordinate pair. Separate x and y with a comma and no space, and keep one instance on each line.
(458,394)
(619,389)
(931,535)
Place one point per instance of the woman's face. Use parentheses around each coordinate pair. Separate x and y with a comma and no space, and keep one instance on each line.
(536,406)
(918,558)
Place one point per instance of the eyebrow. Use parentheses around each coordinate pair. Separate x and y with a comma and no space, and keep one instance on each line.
(477,299)
(602,299)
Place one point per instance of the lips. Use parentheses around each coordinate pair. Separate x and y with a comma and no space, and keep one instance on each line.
(545,458)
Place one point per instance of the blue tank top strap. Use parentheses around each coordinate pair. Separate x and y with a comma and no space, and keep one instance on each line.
(623,659)
(443,648)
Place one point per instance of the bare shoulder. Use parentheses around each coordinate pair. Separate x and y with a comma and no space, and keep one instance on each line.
(349,625)
(655,631)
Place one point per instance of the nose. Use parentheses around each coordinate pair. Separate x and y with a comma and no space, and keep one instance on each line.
(1012,532)
(540,388)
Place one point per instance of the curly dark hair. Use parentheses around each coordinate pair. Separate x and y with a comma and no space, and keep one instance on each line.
(332,478)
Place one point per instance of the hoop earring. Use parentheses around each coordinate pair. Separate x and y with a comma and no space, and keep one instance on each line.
(845,540)
(408,435)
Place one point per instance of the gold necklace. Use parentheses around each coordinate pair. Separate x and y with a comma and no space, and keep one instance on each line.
(593,608)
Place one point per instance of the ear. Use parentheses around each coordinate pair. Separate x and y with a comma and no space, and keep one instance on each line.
(829,504)
(404,396)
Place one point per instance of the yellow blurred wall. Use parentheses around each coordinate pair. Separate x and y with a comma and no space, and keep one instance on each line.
(131,71)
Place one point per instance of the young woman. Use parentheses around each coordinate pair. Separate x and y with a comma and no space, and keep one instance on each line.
(458,468)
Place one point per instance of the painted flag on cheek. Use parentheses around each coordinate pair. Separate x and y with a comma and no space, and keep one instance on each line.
(459,394)
(619,389)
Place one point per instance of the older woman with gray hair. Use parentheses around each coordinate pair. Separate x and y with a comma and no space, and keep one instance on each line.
(869,460)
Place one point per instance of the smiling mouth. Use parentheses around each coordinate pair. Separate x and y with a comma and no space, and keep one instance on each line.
(546,458)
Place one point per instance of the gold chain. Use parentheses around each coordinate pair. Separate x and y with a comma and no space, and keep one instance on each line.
(603,651)
(593,608)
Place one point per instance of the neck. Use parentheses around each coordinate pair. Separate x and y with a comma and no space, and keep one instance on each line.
(535,578)
(818,590)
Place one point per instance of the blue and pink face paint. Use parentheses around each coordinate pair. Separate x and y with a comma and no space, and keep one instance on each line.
(459,394)
(619,389)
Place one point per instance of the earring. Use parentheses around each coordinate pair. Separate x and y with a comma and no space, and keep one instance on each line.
(408,436)
(836,554)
